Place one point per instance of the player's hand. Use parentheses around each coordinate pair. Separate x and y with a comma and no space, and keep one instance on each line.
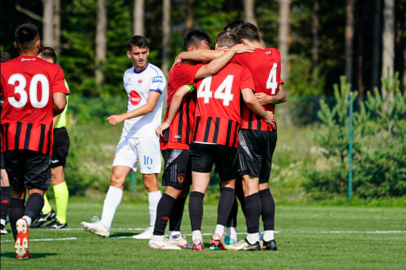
(241,48)
(263,98)
(269,117)
(115,119)
(178,59)
(161,128)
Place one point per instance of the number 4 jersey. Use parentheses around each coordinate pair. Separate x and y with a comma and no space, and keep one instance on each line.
(28,83)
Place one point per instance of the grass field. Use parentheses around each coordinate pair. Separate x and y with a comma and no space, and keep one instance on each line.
(308,237)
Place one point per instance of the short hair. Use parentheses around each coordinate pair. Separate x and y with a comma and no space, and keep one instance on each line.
(232,26)
(248,31)
(226,39)
(194,37)
(48,53)
(139,41)
(26,35)
(5,56)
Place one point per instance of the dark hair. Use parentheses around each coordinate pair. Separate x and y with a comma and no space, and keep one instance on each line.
(5,56)
(232,26)
(248,31)
(194,37)
(226,39)
(47,53)
(26,35)
(139,41)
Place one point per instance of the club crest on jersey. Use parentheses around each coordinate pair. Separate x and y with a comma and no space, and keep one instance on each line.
(157,79)
(181,178)
(135,98)
(140,81)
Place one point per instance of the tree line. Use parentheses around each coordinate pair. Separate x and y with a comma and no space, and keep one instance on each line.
(319,40)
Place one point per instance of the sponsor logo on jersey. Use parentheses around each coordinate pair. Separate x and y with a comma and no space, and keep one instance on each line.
(134,98)
(268,52)
(27,59)
(157,79)
(177,136)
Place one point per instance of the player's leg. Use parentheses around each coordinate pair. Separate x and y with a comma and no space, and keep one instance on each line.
(5,196)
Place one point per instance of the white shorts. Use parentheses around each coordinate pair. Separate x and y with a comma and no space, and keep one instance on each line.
(145,150)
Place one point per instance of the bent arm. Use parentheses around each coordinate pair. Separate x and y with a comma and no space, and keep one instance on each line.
(253,103)
(280,97)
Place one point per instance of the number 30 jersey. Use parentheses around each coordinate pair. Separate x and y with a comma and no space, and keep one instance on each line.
(28,84)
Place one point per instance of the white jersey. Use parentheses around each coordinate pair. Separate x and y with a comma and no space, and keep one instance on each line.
(138,85)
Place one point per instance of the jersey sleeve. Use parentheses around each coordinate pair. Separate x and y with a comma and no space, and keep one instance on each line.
(158,83)
(59,83)
(185,73)
(246,80)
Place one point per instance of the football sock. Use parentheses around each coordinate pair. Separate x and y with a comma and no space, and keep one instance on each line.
(175,219)
(46,209)
(268,235)
(252,238)
(158,237)
(239,193)
(225,205)
(61,200)
(219,229)
(5,203)
(252,212)
(153,200)
(232,232)
(197,235)
(232,219)
(164,209)
(112,201)
(16,211)
(268,209)
(33,206)
(196,210)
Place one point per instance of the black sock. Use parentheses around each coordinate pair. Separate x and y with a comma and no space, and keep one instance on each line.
(196,210)
(232,219)
(240,195)
(225,205)
(176,216)
(34,205)
(252,212)
(5,202)
(268,209)
(16,212)
(163,211)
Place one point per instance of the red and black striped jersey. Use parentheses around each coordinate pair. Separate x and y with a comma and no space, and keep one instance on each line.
(265,67)
(28,84)
(179,134)
(218,113)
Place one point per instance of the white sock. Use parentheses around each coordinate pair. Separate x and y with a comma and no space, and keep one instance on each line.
(174,234)
(158,237)
(3,222)
(112,201)
(197,235)
(28,219)
(153,200)
(219,229)
(252,238)
(232,232)
(268,235)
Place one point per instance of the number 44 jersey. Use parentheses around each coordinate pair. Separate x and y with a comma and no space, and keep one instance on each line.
(27,87)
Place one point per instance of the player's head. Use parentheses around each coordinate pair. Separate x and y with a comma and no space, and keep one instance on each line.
(5,56)
(138,51)
(248,32)
(225,39)
(27,37)
(232,26)
(196,40)
(48,54)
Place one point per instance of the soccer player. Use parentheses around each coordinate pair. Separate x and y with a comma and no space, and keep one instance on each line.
(175,134)
(5,183)
(144,84)
(258,141)
(58,162)
(33,93)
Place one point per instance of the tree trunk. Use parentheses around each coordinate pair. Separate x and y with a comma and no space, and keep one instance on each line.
(190,21)
(360,63)
(315,32)
(376,45)
(284,11)
(166,34)
(404,53)
(57,26)
(249,8)
(48,23)
(349,38)
(138,27)
(388,37)
(100,41)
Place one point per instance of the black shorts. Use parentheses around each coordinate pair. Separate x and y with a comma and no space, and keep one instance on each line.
(27,169)
(61,147)
(204,156)
(177,171)
(2,166)
(255,151)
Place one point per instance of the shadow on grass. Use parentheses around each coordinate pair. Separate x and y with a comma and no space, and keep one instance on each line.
(33,255)
(122,234)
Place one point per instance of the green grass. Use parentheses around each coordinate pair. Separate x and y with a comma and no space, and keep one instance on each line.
(308,237)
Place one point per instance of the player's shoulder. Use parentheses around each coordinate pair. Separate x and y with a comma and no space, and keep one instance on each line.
(154,69)
(272,50)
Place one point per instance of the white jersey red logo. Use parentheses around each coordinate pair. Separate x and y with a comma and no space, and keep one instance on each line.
(135,98)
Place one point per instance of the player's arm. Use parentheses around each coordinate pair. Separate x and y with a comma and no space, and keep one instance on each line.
(280,97)
(174,108)
(59,99)
(148,107)
(198,55)
(253,103)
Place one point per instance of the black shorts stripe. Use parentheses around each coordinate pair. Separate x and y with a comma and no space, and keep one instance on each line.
(17,135)
(216,130)
(207,130)
(27,136)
